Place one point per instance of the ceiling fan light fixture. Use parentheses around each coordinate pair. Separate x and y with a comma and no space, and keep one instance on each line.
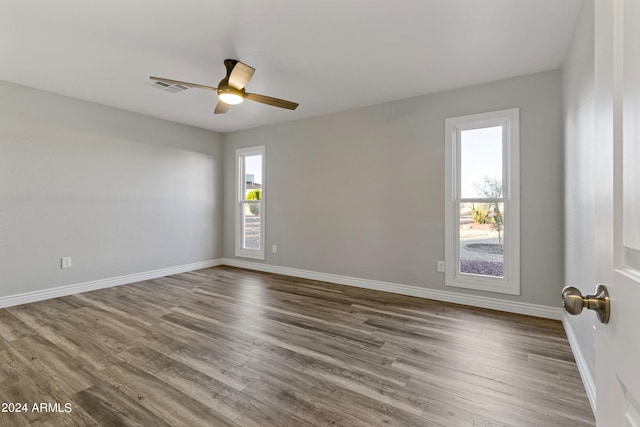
(230,95)
(230,90)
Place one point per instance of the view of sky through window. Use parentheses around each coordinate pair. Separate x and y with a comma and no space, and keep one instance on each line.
(480,157)
(253,166)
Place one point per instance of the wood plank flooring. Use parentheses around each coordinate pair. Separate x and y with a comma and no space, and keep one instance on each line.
(230,347)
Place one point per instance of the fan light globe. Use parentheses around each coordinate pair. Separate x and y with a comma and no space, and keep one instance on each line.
(230,96)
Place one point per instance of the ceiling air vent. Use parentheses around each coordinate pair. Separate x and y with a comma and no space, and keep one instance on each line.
(173,88)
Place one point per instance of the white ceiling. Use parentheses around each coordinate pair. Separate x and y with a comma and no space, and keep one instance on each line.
(327,55)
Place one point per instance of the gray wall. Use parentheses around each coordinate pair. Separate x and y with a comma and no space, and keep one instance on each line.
(119,192)
(579,117)
(361,193)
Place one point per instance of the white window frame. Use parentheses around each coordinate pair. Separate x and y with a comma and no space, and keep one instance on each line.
(241,251)
(510,120)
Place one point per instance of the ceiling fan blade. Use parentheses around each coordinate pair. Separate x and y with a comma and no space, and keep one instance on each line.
(276,102)
(221,108)
(178,82)
(240,74)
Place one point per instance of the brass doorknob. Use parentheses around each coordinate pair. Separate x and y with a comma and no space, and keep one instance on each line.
(573,302)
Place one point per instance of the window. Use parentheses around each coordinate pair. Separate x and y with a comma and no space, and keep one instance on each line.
(482,217)
(250,202)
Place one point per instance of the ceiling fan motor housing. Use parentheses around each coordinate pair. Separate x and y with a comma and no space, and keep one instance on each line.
(226,93)
(229,89)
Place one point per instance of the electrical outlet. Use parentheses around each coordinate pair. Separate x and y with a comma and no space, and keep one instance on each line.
(274,249)
(441,266)
(65,262)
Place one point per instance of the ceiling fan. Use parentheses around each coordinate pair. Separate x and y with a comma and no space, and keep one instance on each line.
(231,89)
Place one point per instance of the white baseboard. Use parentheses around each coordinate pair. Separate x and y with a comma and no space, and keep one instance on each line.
(61,291)
(583,368)
(396,288)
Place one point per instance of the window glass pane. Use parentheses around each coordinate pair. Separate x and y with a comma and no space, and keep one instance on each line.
(252,174)
(482,239)
(251,217)
(481,162)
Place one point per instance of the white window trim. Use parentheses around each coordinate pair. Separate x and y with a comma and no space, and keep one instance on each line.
(239,197)
(510,283)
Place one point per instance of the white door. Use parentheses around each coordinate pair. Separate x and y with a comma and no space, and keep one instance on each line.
(617,195)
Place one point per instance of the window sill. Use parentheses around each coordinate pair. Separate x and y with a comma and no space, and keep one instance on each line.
(484,283)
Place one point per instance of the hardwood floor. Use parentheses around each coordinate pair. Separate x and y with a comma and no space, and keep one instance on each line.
(230,347)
